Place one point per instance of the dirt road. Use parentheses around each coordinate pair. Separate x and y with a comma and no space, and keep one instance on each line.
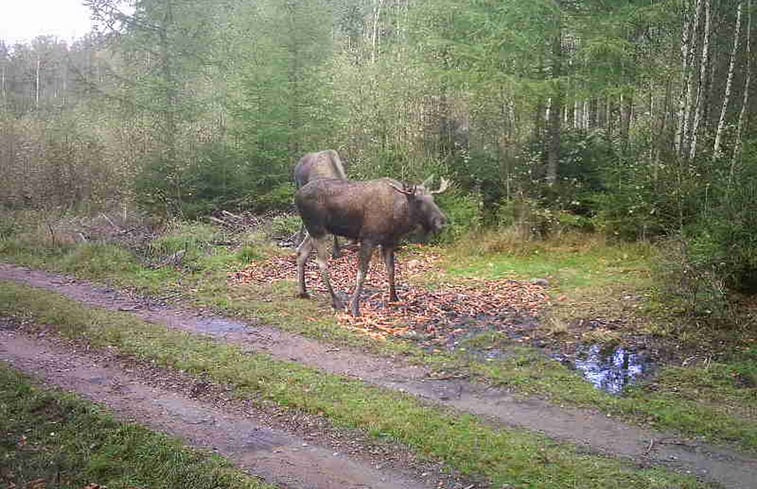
(590,429)
(247,436)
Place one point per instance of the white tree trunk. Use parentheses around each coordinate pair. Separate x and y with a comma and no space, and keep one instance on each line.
(36,86)
(703,65)
(576,115)
(745,99)
(684,70)
(585,116)
(716,151)
(3,85)
(687,95)
(376,16)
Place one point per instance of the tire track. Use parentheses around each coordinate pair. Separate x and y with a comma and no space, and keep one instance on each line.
(249,441)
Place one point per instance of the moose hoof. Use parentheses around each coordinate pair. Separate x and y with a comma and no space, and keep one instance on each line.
(303,295)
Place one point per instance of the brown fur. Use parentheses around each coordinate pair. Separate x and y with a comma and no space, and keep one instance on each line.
(375,213)
(323,164)
(314,166)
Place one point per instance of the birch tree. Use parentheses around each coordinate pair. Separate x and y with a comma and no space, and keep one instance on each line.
(688,44)
(745,99)
(703,67)
(716,151)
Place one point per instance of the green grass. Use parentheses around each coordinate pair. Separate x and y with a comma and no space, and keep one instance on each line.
(510,457)
(56,438)
(589,273)
(572,262)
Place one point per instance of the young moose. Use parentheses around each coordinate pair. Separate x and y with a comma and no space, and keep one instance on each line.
(312,166)
(374,212)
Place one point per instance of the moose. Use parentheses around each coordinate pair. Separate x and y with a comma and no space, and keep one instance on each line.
(312,166)
(374,213)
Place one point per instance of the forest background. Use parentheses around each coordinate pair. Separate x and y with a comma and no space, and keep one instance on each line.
(629,118)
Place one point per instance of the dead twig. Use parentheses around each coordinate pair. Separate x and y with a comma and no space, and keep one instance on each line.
(649,448)
(110,221)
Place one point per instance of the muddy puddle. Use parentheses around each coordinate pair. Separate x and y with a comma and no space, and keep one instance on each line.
(609,369)
(222,326)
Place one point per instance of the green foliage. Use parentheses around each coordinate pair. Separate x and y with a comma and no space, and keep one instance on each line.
(725,236)
(185,236)
(464,214)
(280,197)
(285,226)
(691,285)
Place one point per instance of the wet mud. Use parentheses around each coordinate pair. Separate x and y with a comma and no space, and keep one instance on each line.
(246,438)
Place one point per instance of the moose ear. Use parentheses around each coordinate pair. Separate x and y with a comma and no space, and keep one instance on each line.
(427,182)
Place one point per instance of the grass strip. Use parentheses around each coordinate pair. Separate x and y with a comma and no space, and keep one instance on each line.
(512,457)
(664,405)
(52,439)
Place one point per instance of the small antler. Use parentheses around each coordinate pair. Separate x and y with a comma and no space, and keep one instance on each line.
(427,182)
(410,191)
(444,186)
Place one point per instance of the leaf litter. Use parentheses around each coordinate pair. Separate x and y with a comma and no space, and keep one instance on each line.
(435,312)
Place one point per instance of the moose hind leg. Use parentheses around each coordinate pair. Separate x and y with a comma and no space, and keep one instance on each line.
(388,253)
(322,259)
(300,235)
(366,251)
(337,252)
(303,253)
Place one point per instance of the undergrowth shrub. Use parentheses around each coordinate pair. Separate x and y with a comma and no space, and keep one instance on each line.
(184,243)
(725,237)
(531,220)
(689,285)
(285,226)
(464,213)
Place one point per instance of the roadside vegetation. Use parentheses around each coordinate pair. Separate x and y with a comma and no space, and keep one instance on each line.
(503,456)
(52,439)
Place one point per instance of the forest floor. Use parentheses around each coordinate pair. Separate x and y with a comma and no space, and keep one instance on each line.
(504,337)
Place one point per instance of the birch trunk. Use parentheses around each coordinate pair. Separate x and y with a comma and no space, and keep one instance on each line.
(376,16)
(3,85)
(687,52)
(728,84)
(689,100)
(684,70)
(554,123)
(626,109)
(576,115)
(703,65)
(745,99)
(36,86)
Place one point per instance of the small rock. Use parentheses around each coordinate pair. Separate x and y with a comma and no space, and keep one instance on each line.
(542,282)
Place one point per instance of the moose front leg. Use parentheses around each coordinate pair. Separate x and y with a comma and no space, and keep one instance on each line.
(388,253)
(303,253)
(366,251)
